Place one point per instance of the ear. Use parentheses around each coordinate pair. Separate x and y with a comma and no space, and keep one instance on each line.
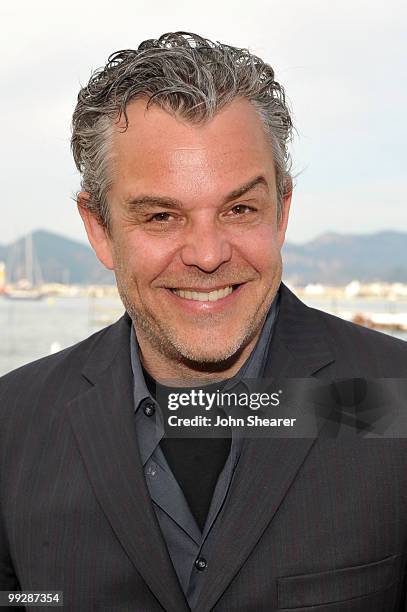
(285,211)
(97,233)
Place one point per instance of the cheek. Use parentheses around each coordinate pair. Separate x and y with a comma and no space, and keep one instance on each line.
(141,257)
(259,248)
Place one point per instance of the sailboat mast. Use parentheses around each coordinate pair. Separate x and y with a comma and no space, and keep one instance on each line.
(29,258)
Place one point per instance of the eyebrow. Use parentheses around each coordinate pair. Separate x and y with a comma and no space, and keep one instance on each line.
(144,201)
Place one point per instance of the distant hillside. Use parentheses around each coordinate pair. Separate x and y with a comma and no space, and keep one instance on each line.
(330,258)
(339,258)
(60,260)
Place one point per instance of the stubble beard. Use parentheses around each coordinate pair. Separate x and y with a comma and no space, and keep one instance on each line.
(169,345)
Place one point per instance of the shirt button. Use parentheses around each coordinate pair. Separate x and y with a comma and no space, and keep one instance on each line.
(152,470)
(149,409)
(200,564)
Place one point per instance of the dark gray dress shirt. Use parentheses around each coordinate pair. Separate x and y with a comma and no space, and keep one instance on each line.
(188,547)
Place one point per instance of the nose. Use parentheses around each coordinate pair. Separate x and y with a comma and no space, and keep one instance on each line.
(206,246)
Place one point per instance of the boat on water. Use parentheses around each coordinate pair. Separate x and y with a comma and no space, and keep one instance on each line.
(29,287)
(28,294)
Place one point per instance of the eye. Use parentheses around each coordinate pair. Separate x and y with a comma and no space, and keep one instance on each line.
(241,209)
(160,217)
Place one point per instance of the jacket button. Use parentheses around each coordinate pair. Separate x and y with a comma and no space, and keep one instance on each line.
(149,409)
(200,564)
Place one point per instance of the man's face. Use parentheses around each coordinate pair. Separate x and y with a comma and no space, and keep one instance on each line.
(194,240)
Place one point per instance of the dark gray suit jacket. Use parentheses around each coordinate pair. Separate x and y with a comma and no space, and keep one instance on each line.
(309,524)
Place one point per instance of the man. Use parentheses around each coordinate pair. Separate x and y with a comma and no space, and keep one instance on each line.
(186,191)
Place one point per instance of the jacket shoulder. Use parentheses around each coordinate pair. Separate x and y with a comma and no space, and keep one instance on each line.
(48,376)
(380,353)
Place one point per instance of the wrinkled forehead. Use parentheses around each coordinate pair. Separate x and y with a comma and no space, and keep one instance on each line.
(159,148)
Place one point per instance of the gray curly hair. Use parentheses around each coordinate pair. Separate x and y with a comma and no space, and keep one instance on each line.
(186,75)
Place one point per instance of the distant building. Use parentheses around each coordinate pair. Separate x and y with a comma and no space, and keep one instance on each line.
(352,289)
(314,289)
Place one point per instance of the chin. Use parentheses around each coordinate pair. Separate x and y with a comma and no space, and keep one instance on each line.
(203,351)
(206,357)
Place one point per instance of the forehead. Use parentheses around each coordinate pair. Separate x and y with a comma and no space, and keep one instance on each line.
(158,147)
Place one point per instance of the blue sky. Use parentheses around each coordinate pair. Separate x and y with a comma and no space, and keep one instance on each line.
(342,64)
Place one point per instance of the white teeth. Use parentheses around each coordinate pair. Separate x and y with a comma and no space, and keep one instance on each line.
(212,296)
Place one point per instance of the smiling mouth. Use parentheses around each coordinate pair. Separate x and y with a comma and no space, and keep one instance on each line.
(205,296)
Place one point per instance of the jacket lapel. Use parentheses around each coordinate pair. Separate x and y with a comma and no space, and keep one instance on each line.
(267,467)
(103,422)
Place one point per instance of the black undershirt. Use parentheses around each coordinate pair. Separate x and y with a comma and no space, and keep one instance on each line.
(195,462)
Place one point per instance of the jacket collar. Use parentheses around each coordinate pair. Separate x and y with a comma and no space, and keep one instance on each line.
(299,347)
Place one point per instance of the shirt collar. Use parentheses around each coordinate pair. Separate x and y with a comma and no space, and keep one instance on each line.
(140,388)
